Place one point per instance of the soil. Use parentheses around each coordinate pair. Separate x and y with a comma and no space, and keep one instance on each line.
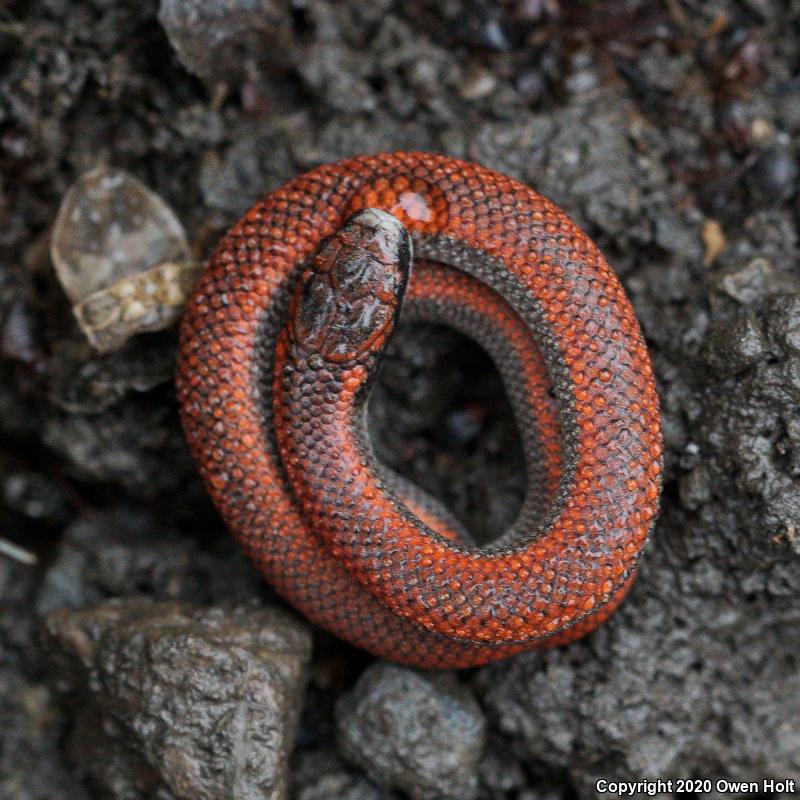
(668,130)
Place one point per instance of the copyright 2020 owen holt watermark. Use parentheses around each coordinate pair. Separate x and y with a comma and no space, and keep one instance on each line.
(695,785)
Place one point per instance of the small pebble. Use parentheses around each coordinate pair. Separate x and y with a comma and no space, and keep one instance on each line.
(713,239)
(735,345)
(748,283)
(784,323)
(422,733)
(18,333)
(789,111)
(530,83)
(762,130)
(221,40)
(483,24)
(774,175)
(582,81)
(477,83)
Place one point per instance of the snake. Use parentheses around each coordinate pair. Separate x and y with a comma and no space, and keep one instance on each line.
(281,342)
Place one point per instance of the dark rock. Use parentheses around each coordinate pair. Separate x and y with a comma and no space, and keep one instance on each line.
(33,494)
(17,622)
(750,283)
(18,336)
(83,382)
(583,75)
(759,261)
(774,175)
(734,346)
(32,765)
(531,84)
(419,732)
(501,775)
(124,551)
(126,445)
(321,775)
(662,70)
(339,78)
(256,163)
(783,322)
(174,701)
(482,23)
(746,430)
(221,41)
(333,141)
(789,110)
(341,786)
(695,488)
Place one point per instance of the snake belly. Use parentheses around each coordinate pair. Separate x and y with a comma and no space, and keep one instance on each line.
(523,280)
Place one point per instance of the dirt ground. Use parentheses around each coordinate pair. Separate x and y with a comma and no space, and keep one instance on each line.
(668,130)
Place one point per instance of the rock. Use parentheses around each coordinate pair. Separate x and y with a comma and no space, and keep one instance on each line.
(224,40)
(747,428)
(482,23)
(122,257)
(501,775)
(477,83)
(749,283)
(531,83)
(18,336)
(85,382)
(124,445)
(34,494)
(341,786)
(175,701)
(789,110)
(584,76)
(774,175)
(759,261)
(17,620)
(783,322)
(338,77)
(422,733)
(320,775)
(735,345)
(256,163)
(124,551)
(32,766)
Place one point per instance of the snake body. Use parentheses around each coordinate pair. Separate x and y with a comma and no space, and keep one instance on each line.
(281,341)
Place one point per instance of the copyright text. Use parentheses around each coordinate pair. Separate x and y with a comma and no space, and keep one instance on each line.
(694,785)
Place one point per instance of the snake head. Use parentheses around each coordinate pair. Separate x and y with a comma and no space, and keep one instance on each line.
(348,300)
